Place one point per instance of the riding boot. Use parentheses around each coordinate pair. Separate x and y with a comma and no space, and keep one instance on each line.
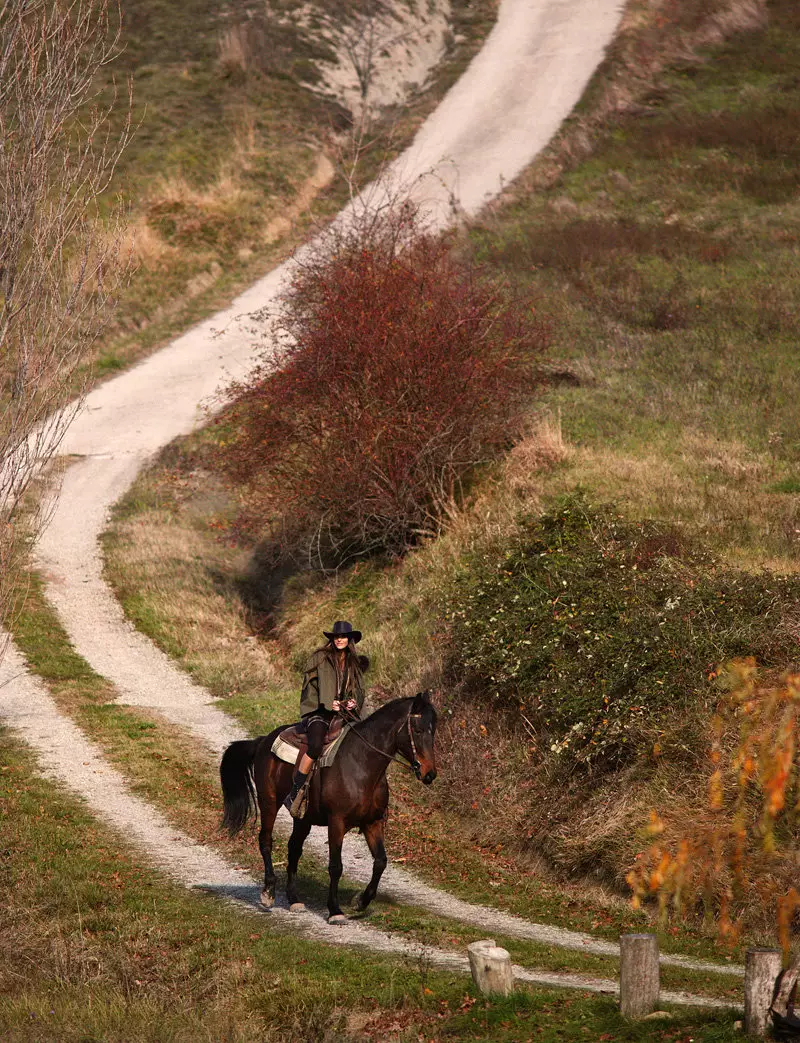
(300,779)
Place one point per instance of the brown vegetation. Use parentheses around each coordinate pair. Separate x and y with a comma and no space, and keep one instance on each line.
(399,371)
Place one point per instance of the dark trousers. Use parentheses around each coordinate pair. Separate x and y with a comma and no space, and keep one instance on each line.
(317,725)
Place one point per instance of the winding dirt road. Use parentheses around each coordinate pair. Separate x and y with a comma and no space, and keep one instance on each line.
(506,107)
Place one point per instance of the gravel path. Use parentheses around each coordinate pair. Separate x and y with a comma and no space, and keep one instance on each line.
(526,79)
(69,758)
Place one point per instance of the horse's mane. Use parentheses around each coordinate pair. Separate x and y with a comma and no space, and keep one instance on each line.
(384,708)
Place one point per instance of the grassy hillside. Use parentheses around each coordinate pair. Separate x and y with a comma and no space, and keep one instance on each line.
(659,236)
(667,263)
(231,148)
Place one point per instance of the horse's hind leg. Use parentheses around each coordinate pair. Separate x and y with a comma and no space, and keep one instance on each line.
(300,830)
(268,806)
(373,834)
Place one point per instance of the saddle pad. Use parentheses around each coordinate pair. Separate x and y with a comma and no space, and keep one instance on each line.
(288,753)
(295,734)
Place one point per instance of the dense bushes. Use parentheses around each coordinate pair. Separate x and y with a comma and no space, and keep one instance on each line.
(604,632)
(400,369)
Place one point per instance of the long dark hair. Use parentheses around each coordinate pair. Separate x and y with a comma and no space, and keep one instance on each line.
(355,664)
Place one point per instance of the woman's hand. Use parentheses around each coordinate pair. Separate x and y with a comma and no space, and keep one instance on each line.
(350,704)
(336,705)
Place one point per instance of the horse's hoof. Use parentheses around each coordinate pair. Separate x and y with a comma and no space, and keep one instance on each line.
(357,905)
(267,900)
(337,919)
(297,907)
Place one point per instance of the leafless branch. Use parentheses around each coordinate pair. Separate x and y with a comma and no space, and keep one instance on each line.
(60,264)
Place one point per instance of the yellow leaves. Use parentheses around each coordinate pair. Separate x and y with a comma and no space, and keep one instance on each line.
(730,857)
(659,874)
(655,826)
(715,791)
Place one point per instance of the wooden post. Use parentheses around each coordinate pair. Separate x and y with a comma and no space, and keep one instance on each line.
(491,968)
(638,975)
(761,970)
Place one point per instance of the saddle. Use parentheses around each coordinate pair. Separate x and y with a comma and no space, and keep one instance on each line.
(292,742)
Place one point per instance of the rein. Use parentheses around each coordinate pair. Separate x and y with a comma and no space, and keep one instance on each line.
(397,758)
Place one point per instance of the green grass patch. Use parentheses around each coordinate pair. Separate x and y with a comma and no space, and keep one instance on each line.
(790,486)
(549,1018)
(97,946)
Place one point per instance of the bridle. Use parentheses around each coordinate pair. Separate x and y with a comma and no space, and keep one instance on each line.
(413,765)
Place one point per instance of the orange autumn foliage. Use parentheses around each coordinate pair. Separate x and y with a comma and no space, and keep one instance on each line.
(733,859)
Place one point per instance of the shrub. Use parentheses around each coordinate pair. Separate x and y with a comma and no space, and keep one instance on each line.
(735,858)
(399,370)
(605,632)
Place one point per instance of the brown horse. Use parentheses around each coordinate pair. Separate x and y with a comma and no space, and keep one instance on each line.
(352,792)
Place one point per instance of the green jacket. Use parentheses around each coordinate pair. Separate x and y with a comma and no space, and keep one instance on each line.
(321,685)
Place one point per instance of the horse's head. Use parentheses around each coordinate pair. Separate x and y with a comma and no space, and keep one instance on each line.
(416,739)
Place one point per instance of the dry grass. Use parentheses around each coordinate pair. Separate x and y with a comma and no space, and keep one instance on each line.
(166,569)
(722,490)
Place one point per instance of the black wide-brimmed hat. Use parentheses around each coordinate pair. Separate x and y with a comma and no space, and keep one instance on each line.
(343,629)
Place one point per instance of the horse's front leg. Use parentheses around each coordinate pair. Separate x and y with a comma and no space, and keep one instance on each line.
(373,834)
(300,830)
(265,847)
(336,833)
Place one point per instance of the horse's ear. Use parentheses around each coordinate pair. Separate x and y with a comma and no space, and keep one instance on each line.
(421,700)
(363,663)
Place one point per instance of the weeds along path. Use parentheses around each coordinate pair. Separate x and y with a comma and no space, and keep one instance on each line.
(531,71)
(72,760)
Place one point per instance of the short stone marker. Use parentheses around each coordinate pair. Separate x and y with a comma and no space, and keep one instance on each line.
(491,968)
(639,980)
(761,970)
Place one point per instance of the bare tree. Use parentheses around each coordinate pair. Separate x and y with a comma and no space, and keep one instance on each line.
(60,264)
(364,38)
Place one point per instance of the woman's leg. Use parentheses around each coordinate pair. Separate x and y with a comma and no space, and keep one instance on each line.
(315,732)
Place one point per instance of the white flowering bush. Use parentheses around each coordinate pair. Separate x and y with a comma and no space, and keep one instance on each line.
(605,633)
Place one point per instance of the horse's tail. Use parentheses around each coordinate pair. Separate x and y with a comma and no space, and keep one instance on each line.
(238,789)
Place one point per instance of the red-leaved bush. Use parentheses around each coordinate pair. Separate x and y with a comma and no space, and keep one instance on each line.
(399,370)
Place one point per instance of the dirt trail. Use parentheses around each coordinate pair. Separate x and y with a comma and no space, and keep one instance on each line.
(69,758)
(525,80)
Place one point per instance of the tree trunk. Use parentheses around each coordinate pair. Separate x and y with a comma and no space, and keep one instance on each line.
(638,975)
(761,969)
(491,968)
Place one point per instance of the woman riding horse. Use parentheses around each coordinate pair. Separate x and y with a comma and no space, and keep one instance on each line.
(332,685)
(352,793)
